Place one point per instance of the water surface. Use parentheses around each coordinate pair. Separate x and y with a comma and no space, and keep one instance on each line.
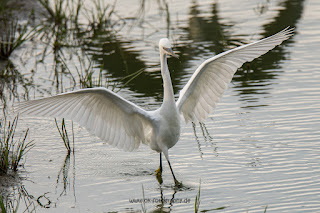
(260,147)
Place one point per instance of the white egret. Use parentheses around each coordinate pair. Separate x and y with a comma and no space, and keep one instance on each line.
(125,125)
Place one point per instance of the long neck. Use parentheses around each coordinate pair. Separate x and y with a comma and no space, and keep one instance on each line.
(168,96)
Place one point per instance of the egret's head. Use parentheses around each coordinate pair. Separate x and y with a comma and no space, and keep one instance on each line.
(165,46)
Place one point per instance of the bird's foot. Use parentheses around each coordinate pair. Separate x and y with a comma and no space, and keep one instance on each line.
(159,175)
(159,171)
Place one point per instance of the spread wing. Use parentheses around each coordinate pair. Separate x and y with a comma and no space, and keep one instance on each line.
(102,112)
(206,86)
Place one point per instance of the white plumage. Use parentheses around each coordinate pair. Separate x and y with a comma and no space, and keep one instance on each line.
(125,125)
(102,112)
(204,89)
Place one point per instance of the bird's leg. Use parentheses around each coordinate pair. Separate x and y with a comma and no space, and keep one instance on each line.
(177,183)
(159,171)
(160,167)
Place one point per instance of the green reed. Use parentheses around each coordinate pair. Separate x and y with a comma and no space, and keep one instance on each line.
(64,135)
(11,150)
(197,200)
(13,35)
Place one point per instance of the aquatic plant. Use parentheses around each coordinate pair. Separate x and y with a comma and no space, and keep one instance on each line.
(3,5)
(99,17)
(143,203)
(127,79)
(60,26)
(197,200)
(61,11)
(61,30)
(2,206)
(12,151)
(13,84)
(64,135)
(8,206)
(197,203)
(62,21)
(87,80)
(18,200)
(86,73)
(13,36)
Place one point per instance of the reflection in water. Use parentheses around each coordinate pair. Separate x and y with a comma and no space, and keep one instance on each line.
(16,198)
(257,74)
(262,7)
(64,171)
(13,84)
(120,60)
(163,203)
(204,36)
(205,133)
(19,200)
(197,139)
(207,138)
(140,19)
(44,201)
(252,78)
(64,174)
(210,30)
(289,15)
(209,35)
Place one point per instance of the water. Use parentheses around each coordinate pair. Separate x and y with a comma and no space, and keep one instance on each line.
(260,147)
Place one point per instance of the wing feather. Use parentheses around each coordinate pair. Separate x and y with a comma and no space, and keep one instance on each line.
(206,86)
(102,112)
